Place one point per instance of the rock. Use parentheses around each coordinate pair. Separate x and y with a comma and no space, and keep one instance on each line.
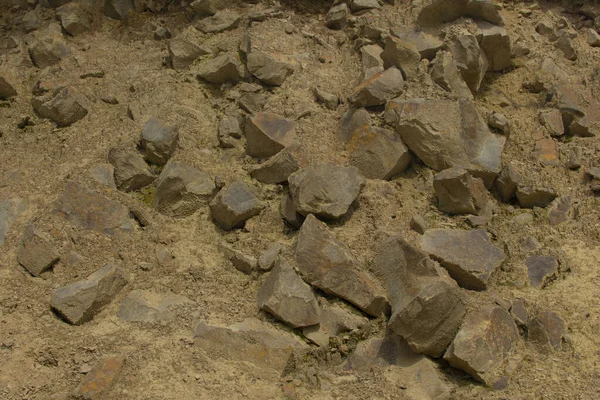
(7,90)
(437,12)
(337,16)
(483,343)
(559,210)
(546,329)
(97,383)
(78,302)
(565,45)
(118,9)
(593,38)
(362,5)
(148,306)
(269,256)
(158,141)
(233,205)
(267,134)
(448,133)
(141,215)
(354,119)
(10,210)
(402,55)
(182,189)
(446,74)
(469,256)
(285,295)
(266,68)
(329,100)
(500,123)
(530,197)
(593,173)
(574,158)
(426,44)
(545,150)
(541,270)
(459,193)
(89,210)
(131,172)
(418,224)
(553,122)
(36,254)
(507,182)
(162,33)
(471,60)
(64,106)
(183,53)
(252,103)
(30,21)
(208,7)
(334,321)
(229,132)
(250,341)
(104,174)
(242,262)
(220,22)
(222,69)
(370,56)
(378,89)
(279,167)
(287,210)
(378,153)
(73,19)
(495,42)
(427,308)
(518,310)
(325,190)
(327,264)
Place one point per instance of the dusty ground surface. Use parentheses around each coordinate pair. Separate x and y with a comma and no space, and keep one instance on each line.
(42,357)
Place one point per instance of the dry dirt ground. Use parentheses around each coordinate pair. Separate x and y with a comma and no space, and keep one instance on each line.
(42,357)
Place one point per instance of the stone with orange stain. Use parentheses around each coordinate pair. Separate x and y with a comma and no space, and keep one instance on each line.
(378,89)
(101,378)
(545,151)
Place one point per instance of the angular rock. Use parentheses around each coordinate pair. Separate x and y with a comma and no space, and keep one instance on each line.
(242,262)
(182,189)
(252,103)
(378,89)
(437,12)
(183,53)
(230,127)
(530,197)
(337,16)
(546,329)
(402,55)
(426,44)
(36,255)
(541,270)
(89,210)
(593,38)
(329,100)
(162,33)
(30,21)
(9,211)
(545,150)
(285,295)
(221,69)
(446,74)
(507,182)
(559,210)
(233,205)
(495,42)
(334,321)
(500,123)
(354,119)
(471,60)
(64,106)
(131,171)
(118,9)
(49,50)
(267,134)
(325,190)
(327,264)
(362,5)
(418,224)
(552,121)
(73,19)
(97,383)
(269,256)
(459,193)
(370,56)
(266,68)
(80,301)
(469,256)
(149,306)
(279,167)
(519,312)
(287,210)
(7,90)
(565,45)
(208,7)
(221,21)
(483,343)
(427,308)
(378,153)
(158,141)
(104,174)
(574,159)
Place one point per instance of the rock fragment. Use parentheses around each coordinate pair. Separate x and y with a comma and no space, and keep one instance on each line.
(269,256)
(495,42)
(362,5)
(437,12)
(402,55)
(99,381)
(233,205)
(337,16)
(266,68)
(208,7)
(565,45)
(370,56)
(279,167)
(49,50)
(149,306)
(30,21)
(9,211)
(118,9)
(418,224)
(593,38)
(541,270)
(334,321)
(73,19)
(267,134)
(378,89)
(500,123)
(221,69)
(553,122)
(131,171)
(559,210)
(546,329)
(329,100)
(287,210)
(244,263)
(426,44)
(159,141)
(507,182)
(7,90)
(530,197)
(221,21)
(471,60)
(104,174)
(64,106)
(459,193)
(36,254)
(446,74)
(183,53)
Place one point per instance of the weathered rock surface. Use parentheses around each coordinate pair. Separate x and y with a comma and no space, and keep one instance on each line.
(221,21)
(530,197)
(500,123)
(229,132)
(182,189)
(242,262)
(221,69)
(370,56)
(64,106)
(104,174)
(288,212)
(73,19)
(118,9)
(36,254)
(267,134)
(426,44)
(546,329)
(279,167)
(9,211)
(334,321)
(325,190)
(559,210)
(183,53)
(378,89)
(541,270)
(233,205)
(267,259)
(149,306)
(446,74)
(266,68)
(471,60)
(327,264)
(495,42)
(437,12)
(402,55)
(80,301)
(329,100)
(459,193)
(553,122)
(7,90)
(507,182)
(469,256)
(97,383)
(208,7)
(49,50)
(159,141)
(427,308)
(131,171)
(337,16)
(354,119)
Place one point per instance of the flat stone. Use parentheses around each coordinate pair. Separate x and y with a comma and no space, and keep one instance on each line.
(378,89)
(285,295)
(10,210)
(427,308)
(267,259)
(337,16)
(553,122)
(469,256)
(446,74)
(471,60)
(221,21)
(183,53)
(104,174)
(507,182)
(49,50)
(131,171)
(182,189)
(334,321)
(64,106)
(546,329)
(267,134)
(325,190)
(118,9)
(159,141)
(268,69)
(244,263)
(326,263)
(97,383)
(208,7)
(437,12)
(426,44)
(279,167)
(89,210)
(495,42)
(221,69)
(252,103)
(459,193)
(402,55)
(288,212)
(233,205)
(80,301)
(483,343)
(36,254)
(559,210)
(149,306)
(530,197)
(541,270)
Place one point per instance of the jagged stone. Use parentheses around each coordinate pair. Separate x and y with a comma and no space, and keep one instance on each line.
(73,19)
(279,167)
(36,254)
(244,263)
(30,21)
(104,174)
(337,16)
(131,171)
(287,210)
(221,21)
(118,9)
(233,205)
(418,224)
(470,60)
(267,134)
(354,119)
(183,53)
(469,256)
(7,90)
(64,106)
(208,7)
(370,56)
(541,270)
(402,55)
(592,37)
(80,301)
(437,12)
(378,89)
(158,141)
(495,42)
(559,210)
(565,45)
(329,100)
(334,321)
(149,306)
(500,123)
(229,132)
(97,383)
(446,74)
(269,256)
(426,44)
(266,68)
(507,182)
(459,193)
(546,329)
(327,264)
(530,197)
(519,312)
(221,69)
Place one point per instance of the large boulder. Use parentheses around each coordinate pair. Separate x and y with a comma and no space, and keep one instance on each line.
(437,12)
(378,89)
(459,193)
(233,205)
(64,106)
(130,170)
(159,141)
(267,134)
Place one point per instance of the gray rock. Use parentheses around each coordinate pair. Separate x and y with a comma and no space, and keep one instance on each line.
(73,19)
(131,171)
(559,210)
(269,256)
(267,134)
(426,44)
(378,89)
(7,90)
(266,68)
(427,308)
(530,197)
(182,189)
(327,264)
(507,182)
(229,132)
(285,295)
(118,9)
(362,5)
(89,210)
(418,224)
(233,205)
(574,158)
(30,21)
(162,33)
(437,12)
(149,306)
(288,212)
(471,60)
(329,100)
(402,55)
(64,106)
(593,38)
(36,254)
(10,210)
(565,45)
(158,141)
(279,167)
(183,53)
(483,343)
(221,21)
(208,7)
(459,193)
(252,103)
(495,42)
(325,190)
(553,122)
(337,16)
(500,123)
(221,69)
(354,119)
(519,312)
(541,270)
(546,329)
(242,262)
(370,56)
(446,74)
(80,301)
(104,174)
(334,321)
(469,256)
